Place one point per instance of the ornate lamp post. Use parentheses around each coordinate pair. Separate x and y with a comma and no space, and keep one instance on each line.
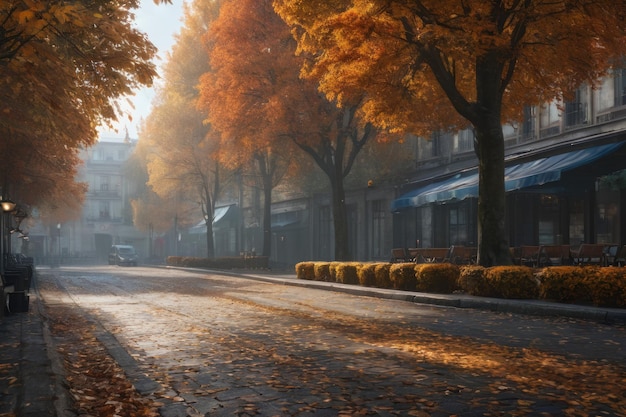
(7,206)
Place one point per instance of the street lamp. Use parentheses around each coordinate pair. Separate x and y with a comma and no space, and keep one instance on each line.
(59,243)
(7,207)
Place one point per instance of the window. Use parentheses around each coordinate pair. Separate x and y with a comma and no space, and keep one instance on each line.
(528,124)
(548,229)
(619,85)
(435,144)
(378,228)
(549,120)
(465,141)
(105,210)
(607,214)
(458,224)
(104,182)
(577,221)
(576,110)
(325,237)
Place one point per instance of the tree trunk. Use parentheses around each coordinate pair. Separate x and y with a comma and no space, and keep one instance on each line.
(209,213)
(340,220)
(267,214)
(210,244)
(493,246)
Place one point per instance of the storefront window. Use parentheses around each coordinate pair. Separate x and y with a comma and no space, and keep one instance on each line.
(460,224)
(325,227)
(577,222)
(548,227)
(378,228)
(607,216)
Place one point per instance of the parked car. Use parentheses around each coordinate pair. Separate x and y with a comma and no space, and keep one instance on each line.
(123,255)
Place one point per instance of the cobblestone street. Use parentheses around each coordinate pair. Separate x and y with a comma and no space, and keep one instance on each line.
(211,345)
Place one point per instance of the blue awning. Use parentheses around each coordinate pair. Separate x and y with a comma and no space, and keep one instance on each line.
(527,174)
(218,214)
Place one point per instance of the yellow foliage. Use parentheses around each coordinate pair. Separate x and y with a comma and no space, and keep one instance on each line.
(402,276)
(438,278)
(322,271)
(512,281)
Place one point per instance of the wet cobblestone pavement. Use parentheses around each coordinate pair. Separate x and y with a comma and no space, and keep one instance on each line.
(200,345)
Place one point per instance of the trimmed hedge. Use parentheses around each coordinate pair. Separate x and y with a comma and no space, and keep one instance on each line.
(402,276)
(235,262)
(347,273)
(383,277)
(512,282)
(472,281)
(305,270)
(608,287)
(604,287)
(438,278)
(322,271)
(568,284)
(367,275)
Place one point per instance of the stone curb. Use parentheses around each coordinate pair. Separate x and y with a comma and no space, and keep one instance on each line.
(527,307)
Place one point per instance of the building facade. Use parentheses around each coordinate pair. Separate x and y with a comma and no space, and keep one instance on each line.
(106,217)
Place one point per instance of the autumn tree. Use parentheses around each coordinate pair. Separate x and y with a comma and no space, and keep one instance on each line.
(239,97)
(182,160)
(257,100)
(64,67)
(151,214)
(430,65)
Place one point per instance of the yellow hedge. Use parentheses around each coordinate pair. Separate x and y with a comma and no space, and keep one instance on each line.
(438,278)
(567,284)
(608,287)
(472,280)
(305,270)
(367,275)
(322,271)
(383,277)
(512,281)
(402,276)
(346,273)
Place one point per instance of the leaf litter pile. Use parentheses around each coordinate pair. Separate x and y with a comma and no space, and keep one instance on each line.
(97,384)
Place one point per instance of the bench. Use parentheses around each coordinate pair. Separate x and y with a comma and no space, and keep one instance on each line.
(589,254)
(16,282)
(399,255)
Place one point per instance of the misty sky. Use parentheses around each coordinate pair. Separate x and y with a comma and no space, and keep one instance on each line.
(160,23)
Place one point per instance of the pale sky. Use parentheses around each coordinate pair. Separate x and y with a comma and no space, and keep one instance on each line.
(160,22)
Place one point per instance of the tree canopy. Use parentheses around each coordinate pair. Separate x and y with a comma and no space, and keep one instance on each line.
(262,107)
(182,148)
(64,67)
(433,65)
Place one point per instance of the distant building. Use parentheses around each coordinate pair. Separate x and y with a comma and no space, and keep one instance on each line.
(106,218)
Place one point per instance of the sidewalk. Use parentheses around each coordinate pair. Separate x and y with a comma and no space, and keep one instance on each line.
(31,373)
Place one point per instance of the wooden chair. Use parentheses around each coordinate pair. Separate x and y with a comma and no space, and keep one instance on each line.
(529,255)
(399,255)
(589,254)
(459,255)
(620,257)
(415,255)
(554,255)
(434,255)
